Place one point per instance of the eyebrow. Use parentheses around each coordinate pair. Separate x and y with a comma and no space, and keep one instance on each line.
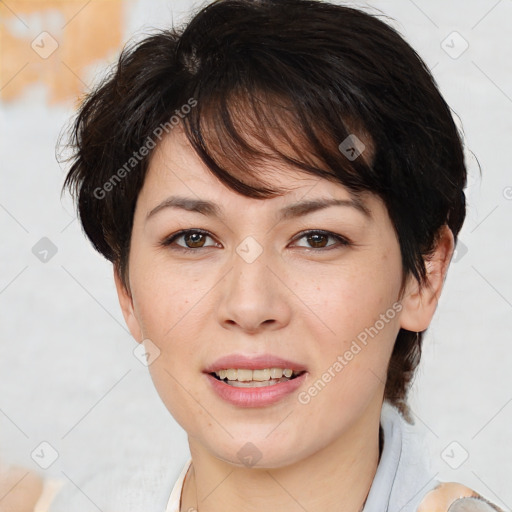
(293,210)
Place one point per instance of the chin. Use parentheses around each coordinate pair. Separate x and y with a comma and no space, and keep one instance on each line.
(257,453)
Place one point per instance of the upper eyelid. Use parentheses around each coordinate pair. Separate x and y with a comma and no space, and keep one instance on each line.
(326,232)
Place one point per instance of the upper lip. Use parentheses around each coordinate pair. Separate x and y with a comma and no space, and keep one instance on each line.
(255,362)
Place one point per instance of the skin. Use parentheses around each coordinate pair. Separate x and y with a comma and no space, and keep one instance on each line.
(293,301)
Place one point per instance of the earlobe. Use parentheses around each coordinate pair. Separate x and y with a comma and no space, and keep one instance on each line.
(126,303)
(419,303)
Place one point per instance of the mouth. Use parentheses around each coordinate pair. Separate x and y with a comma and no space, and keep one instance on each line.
(245,378)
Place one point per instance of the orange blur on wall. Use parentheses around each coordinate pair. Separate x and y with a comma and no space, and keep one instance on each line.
(53,42)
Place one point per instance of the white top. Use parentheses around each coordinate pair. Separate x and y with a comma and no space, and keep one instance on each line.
(403,475)
(175,498)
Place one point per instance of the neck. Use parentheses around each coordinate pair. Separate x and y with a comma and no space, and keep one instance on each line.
(338,476)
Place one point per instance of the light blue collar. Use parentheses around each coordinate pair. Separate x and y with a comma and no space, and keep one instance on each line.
(404,474)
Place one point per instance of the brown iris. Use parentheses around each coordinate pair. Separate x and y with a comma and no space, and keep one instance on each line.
(195,239)
(316,239)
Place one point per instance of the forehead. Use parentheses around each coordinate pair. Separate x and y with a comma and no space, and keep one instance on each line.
(175,167)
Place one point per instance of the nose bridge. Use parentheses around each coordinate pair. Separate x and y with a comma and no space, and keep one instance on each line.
(252,297)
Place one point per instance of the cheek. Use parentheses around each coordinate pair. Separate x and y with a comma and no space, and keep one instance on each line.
(357,306)
(171,307)
(349,297)
(169,296)
(352,359)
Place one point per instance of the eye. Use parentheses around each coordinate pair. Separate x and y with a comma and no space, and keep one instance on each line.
(318,239)
(192,239)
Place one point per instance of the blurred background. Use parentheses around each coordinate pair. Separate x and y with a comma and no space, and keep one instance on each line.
(78,407)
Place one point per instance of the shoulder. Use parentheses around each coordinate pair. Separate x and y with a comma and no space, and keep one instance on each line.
(445,494)
(20,489)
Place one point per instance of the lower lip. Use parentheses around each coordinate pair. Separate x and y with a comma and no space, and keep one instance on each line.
(255,397)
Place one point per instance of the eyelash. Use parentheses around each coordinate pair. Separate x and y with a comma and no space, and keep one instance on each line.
(167,242)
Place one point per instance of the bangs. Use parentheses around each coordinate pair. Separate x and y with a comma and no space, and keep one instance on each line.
(245,134)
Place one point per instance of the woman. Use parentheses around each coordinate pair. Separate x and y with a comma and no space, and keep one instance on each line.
(279,186)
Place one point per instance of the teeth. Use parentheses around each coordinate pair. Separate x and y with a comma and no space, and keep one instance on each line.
(243,375)
(276,373)
(261,375)
(254,384)
(230,374)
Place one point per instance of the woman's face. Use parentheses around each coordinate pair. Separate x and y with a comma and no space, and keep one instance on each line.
(261,279)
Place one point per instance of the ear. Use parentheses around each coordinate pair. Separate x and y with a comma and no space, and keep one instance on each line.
(419,305)
(126,302)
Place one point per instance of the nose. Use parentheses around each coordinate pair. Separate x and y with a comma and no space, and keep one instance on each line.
(253,297)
